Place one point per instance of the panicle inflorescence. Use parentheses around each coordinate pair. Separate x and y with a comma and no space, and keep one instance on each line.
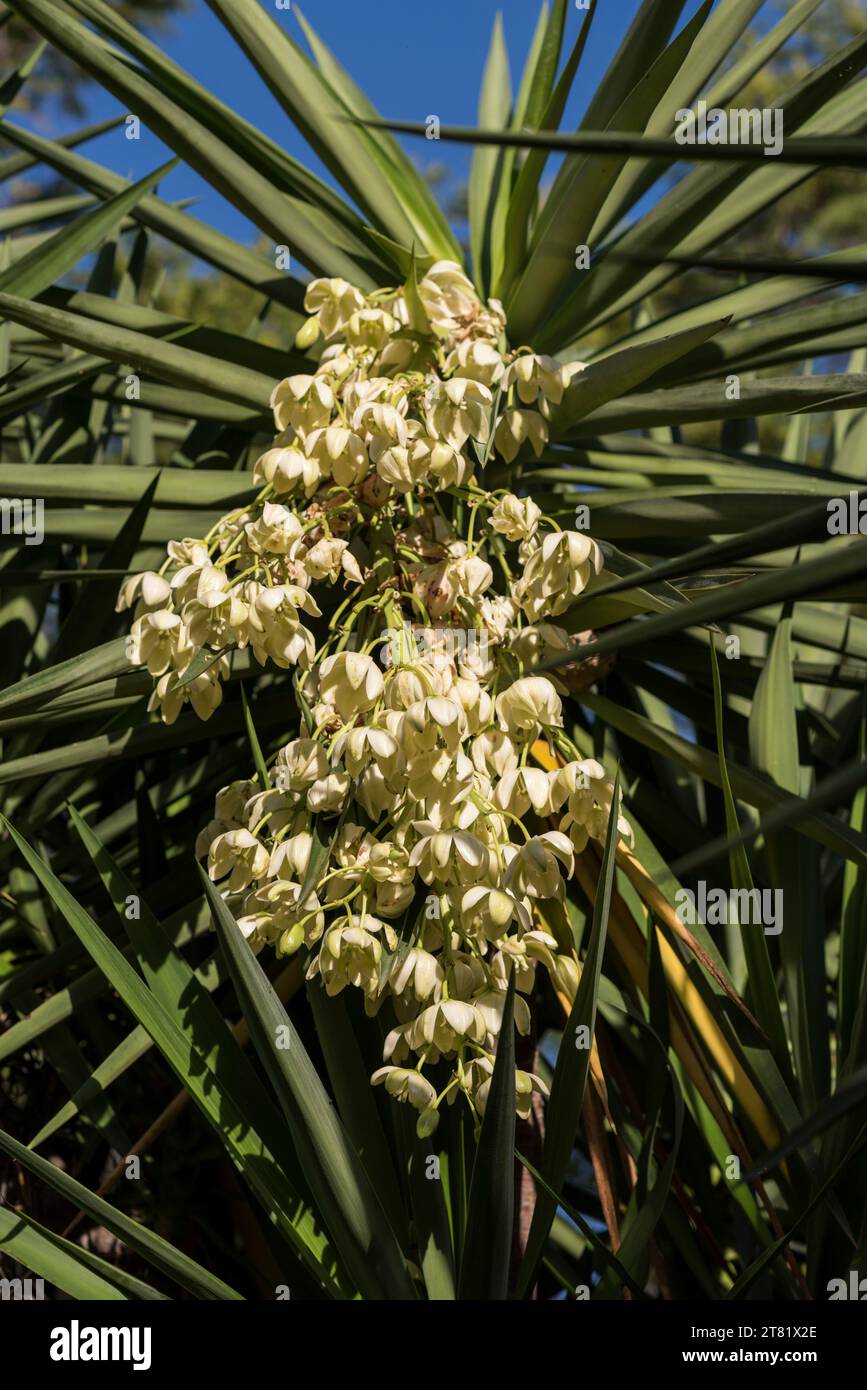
(411,605)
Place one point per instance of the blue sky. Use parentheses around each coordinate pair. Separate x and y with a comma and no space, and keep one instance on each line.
(412,57)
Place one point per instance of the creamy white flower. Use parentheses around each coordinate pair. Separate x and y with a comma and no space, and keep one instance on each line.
(291,857)
(362,745)
(159,641)
(203,692)
(239,854)
(275,531)
(197,579)
(490,911)
(557,572)
(299,764)
(522,788)
(323,560)
(529,704)
(329,793)
(494,752)
(490,1005)
(149,589)
(219,619)
(369,329)
(384,425)
(515,427)
(477,359)
(351,683)
(516,518)
(457,410)
(407,1086)
(447,856)
(418,972)
(351,953)
(577,780)
(535,871)
(446,1024)
(288,467)
(333,302)
(338,452)
(275,627)
(534,376)
(448,296)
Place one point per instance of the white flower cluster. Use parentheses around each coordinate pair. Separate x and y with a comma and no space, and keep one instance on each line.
(414,761)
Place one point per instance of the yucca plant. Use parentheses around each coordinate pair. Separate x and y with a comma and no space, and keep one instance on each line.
(662,732)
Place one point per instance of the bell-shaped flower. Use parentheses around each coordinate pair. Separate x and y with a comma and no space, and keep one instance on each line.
(491,1004)
(333,302)
(447,856)
(383,423)
(299,764)
(494,752)
(457,410)
(329,793)
(288,467)
(149,590)
(445,465)
(535,871)
(477,359)
(513,430)
(351,683)
(557,572)
(275,626)
(204,692)
(418,973)
(577,780)
(393,899)
(363,744)
(291,857)
(230,803)
(351,952)
(275,531)
(446,1025)
(304,402)
(277,809)
(240,854)
(527,1084)
(489,911)
(339,453)
(470,694)
(449,297)
(218,619)
(540,642)
(323,560)
(533,376)
(529,704)
(298,922)
(516,518)
(522,788)
(197,579)
(403,466)
(159,641)
(409,1087)
(368,330)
